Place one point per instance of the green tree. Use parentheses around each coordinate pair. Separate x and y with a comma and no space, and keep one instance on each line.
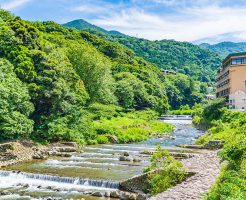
(15,105)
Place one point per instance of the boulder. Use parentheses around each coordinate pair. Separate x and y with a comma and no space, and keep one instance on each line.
(127,196)
(107,194)
(71,144)
(25,185)
(114,194)
(126,154)
(214,144)
(5,192)
(112,139)
(141,197)
(136,160)
(39,156)
(97,194)
(124,158)
(65,149)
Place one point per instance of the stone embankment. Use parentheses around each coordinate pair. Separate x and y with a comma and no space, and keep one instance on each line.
(206,167)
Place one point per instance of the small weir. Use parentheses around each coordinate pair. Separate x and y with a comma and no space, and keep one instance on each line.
(97,168)
(58,179)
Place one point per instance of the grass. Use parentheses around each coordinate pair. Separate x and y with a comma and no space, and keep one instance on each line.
(131,127)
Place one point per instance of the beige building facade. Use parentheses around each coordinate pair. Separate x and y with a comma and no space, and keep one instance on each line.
(231,81)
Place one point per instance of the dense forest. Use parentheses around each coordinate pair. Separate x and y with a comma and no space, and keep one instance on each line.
(56,81)
(182,57)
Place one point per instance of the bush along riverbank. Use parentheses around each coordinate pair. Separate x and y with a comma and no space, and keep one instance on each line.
(107,125)
(130,127)
(167,172)
(229,127)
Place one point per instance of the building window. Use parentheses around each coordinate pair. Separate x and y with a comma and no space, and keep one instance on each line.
(233,61)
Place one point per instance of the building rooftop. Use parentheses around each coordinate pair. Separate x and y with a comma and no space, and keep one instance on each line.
(234,54)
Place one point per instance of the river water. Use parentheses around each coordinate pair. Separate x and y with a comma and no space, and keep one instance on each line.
(97,168)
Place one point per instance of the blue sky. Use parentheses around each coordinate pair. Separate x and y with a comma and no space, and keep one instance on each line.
(184,20)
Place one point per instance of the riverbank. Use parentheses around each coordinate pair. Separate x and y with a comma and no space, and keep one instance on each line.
(12,153)
(100,165)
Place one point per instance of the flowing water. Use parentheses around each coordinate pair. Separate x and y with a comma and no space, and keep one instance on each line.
(97,168)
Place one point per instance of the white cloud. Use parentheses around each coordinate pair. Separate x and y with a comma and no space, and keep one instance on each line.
(12,4)
(87,8)
(187,24)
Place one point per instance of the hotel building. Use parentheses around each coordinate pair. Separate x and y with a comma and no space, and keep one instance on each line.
(231,81)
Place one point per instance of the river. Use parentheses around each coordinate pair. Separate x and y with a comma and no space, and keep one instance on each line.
(97,168)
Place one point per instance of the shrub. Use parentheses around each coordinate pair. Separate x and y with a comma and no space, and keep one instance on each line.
(169,171)
(132,127)
(104,111)
(102,139)
(91,142)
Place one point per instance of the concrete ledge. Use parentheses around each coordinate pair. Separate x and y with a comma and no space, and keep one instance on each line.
(140,182)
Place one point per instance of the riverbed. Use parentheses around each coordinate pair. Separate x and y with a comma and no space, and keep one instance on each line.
(96,168)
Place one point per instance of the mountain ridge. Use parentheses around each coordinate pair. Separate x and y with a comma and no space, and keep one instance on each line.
(182,57)
(225,48)
(79,23)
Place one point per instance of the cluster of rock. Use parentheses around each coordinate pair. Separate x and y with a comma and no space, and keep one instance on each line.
(212,145)
(126,157)
(14,152)
(62,151)
(163,136)
(121,195)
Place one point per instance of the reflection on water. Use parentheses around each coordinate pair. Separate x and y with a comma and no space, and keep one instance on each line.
(96,169)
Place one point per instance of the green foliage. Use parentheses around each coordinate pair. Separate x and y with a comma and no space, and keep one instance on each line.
(182,112)
(131,127)
(183,90)
(229,126)
(104,111)
(95,71)
(167,172)
(182,57)
(73,77)
(213,111)
(76,125)
(102,139)
(15,105)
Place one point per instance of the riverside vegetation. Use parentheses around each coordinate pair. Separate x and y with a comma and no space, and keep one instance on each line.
(55,85)
(229,126)
(169,171)
(56,81)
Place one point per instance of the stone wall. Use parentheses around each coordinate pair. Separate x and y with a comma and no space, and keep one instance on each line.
(136,183)
(139,183)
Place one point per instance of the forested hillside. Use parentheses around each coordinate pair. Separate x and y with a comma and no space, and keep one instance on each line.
(183,57)
(225,48)
(55,81)
(89,27)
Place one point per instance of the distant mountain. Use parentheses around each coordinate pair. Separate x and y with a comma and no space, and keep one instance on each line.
(236,36)
(225,48)
(182,57)
(81,24)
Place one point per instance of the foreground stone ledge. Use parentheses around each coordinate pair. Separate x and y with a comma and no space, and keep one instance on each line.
(206,167)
